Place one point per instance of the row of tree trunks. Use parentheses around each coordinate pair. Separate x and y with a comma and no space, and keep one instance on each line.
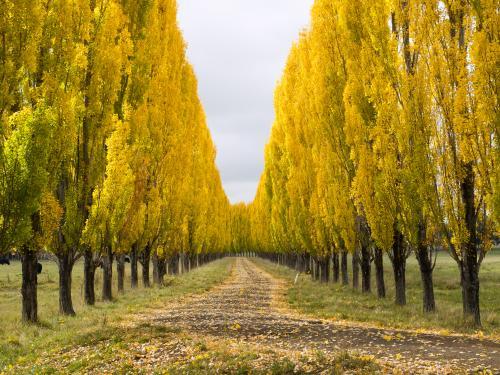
(362,260)
(66,261)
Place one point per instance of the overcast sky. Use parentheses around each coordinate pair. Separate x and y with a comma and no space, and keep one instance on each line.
(239,49)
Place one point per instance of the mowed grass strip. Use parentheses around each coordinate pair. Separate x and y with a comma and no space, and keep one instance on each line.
(334,301)
(20,343)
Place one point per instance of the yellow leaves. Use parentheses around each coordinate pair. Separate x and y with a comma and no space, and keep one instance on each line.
(235,327)
(396,337)
(51,214)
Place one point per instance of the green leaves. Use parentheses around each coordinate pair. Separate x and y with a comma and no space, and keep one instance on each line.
(24,172)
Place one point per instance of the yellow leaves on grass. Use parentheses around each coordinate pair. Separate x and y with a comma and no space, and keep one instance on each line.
(235,327)
(389,337)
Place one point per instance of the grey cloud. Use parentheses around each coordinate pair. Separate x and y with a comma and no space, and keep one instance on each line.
(238,49)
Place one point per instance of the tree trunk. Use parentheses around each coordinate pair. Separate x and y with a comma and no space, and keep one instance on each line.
(469,261)
(379,270)
(336,268)
(316,269)
(307,263)
(134,279)
(355,269)
(343,268)
(399,267)
(29,285)
(181,263)
(120,272)
(65,265)
(366,269)
(424,258)
(146,255)
(107,275)
(325,269)
(163,268)
(89,277)
(156,270)
(173,267)
(470,295)
(429,304)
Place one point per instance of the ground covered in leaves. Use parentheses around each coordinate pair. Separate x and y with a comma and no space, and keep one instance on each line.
(242,326)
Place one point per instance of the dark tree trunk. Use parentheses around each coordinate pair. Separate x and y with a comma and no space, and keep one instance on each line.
(379,270)
(162,269)
(173,266)
(302,265)
(29,285)
(399,267)
(146,255)
(355,269)
(366,269)
(156,270)
(469,262)
(336,267)
(65,265)
(343,268)
(89,277)
(120,272)
(325,269)
(424,258)
(307,263)
(134,279)
(316,269)
(107,275)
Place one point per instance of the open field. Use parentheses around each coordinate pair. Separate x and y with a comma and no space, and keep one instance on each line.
(20,343)
(343,303)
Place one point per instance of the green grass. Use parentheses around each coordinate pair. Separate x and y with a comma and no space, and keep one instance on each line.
(20,343)
(334,301)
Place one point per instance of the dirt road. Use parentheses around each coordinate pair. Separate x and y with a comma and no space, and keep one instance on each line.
(246,308)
